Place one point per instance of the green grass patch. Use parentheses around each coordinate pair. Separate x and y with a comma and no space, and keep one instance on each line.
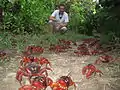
(19,42)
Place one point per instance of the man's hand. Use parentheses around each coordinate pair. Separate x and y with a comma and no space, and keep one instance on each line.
(60,25)
(53,19)
(63,25)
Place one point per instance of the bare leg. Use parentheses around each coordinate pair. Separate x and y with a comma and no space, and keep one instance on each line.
(52,27)
(63,29)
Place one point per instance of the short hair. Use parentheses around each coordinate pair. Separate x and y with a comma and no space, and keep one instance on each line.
(61,5)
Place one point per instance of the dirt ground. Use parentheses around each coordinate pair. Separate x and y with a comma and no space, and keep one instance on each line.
(62,64)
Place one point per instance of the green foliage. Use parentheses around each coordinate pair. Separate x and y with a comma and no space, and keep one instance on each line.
(108,19)
(26,15)
(31,16)
(81,14)
(19,42)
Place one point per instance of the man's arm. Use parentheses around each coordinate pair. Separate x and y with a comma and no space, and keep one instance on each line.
(52,17)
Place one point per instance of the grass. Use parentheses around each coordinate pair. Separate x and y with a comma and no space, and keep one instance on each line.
(19,42)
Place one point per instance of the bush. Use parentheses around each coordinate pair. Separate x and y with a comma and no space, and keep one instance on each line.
(26,15)
(108,19)
(81,16)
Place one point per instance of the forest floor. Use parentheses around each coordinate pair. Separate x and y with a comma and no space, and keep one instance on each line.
(62,64)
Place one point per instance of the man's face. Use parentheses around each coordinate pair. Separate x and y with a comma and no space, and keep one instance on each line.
(62,9)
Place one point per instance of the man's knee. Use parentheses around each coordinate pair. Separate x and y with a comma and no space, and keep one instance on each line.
(64,28)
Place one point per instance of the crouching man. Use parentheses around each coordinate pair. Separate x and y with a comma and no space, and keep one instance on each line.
(59,19)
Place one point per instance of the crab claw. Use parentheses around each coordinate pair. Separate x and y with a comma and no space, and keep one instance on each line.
(42,82)
(72,83)
(19,76)
(89,70)
(38,85)
(104,59)
(84,70)
(27,87)
(44,70)
(100,72)
(88,74)
(49,81)
(44,61)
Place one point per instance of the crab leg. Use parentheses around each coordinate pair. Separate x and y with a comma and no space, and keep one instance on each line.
(19,76)
(84,70)
(44,70)
(98,71)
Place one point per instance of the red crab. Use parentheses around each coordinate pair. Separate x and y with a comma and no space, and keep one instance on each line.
(81,53)
(35,49)
(89,40)
(96,45)
(30,70)
(57,48)
(27,59)
(44,60)
(38,83)
(63,83)
(42,82)
(104,59)
(81,47)
(94,52)
(28,87)
(89,70)
(92,43)
(30,59)
(67,42)
(3,54)
(93,47)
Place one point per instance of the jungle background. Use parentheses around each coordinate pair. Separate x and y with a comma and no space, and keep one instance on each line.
(25,22)
(28,17)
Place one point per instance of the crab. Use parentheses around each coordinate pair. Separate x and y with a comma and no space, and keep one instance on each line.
(28,87)
(81,53)
(89,70)
(104,59)
(30,70)
(93,52)
(38,83)
(3,54)
(92,43)
(92,46)
(57,48)
(43,60)
(41,82)
(87,51)
(34,49)
(29,59)
(81,47)
(89,41)
(67,43)
(63,83)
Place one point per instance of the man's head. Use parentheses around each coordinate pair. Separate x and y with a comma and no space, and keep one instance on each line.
(62,8)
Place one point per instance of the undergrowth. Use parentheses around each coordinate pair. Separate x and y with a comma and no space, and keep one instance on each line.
(19,42)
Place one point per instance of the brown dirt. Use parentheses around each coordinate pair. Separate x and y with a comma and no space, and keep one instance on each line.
(62,64)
